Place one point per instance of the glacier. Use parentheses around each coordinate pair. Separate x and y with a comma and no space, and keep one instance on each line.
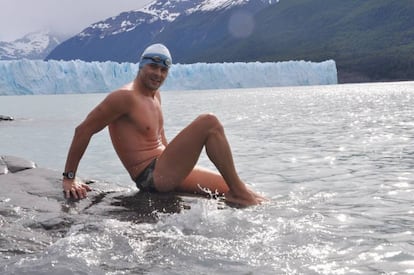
(24,77)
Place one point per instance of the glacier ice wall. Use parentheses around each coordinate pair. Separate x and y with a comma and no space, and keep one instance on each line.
(20,77)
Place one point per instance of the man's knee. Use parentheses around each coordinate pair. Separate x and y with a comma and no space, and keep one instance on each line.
(210,122)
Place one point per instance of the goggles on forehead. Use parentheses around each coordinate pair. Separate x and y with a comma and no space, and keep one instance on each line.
(165,61)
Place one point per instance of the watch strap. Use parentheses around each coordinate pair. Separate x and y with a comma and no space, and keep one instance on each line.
(69,175)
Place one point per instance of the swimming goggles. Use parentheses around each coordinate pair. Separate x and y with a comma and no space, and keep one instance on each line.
(165,61)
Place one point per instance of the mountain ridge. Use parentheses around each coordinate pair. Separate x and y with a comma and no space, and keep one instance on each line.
(111,39)
(35,45)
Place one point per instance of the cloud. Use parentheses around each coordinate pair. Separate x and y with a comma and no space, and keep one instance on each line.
(19,17)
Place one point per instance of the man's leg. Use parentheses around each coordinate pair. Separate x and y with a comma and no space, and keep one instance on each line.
(177,161)
(202,178)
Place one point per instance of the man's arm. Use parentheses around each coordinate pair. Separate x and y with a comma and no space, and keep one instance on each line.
(113,106)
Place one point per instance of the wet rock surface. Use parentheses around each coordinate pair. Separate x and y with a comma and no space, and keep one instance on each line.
(8,118)
(12,164)
(34,212)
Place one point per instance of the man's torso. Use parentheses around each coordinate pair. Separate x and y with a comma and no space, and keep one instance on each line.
(136,135)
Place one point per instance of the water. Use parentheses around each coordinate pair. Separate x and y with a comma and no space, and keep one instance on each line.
(336,163)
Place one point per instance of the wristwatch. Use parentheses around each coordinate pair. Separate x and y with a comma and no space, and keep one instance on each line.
(69,175)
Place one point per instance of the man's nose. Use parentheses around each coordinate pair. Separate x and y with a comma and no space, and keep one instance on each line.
(158,70)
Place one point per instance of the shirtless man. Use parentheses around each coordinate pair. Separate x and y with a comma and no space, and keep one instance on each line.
(134,117)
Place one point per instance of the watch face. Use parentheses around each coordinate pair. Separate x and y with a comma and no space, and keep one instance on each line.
(69,175)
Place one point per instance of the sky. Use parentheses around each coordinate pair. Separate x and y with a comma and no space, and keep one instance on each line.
(68,17)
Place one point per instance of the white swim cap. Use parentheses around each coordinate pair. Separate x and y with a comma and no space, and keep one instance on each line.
(156,54)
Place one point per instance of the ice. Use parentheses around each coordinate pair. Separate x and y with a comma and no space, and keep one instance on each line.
(250,75)
(20,77)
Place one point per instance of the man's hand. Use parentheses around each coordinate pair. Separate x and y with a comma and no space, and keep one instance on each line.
(77,189)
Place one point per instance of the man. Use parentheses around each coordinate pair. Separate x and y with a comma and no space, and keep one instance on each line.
(134,117)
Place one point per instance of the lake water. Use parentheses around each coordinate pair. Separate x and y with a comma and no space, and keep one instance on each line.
(336,162)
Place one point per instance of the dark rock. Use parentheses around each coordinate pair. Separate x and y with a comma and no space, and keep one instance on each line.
(9,118)
(14,164)
(35,213)
(3,167)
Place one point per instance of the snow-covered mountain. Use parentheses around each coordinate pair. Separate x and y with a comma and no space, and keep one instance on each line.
(121,38)
(160,10)
(35,45)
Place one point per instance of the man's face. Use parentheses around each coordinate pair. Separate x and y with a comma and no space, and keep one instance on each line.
(153,76)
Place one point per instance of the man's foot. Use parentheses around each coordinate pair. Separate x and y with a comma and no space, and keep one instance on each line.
(247,198)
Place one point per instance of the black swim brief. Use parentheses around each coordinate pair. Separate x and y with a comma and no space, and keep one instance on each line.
(145,180)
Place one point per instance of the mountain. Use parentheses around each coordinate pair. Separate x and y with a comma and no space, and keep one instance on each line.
(35,45)
(370,40)
(122,38)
